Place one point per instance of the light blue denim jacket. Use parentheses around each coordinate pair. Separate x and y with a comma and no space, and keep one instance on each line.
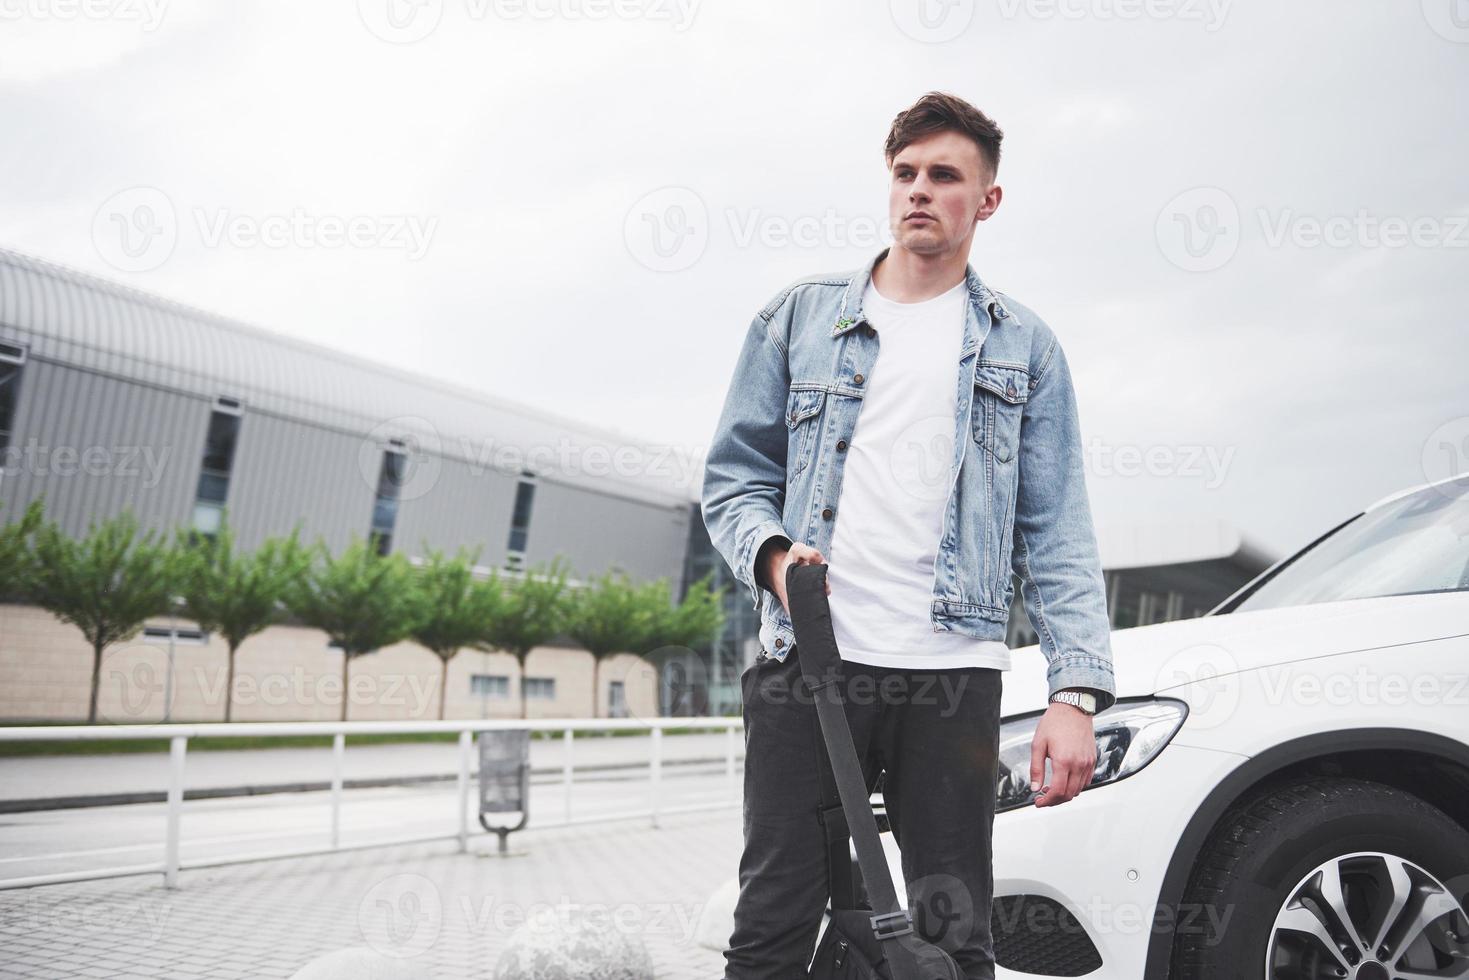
(1019,500)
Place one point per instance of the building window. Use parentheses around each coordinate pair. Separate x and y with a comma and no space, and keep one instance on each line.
(216,466)
(489,685)
(525,492)
(616,699)
(385,506)
(12,360)
(540,688)
(180,634)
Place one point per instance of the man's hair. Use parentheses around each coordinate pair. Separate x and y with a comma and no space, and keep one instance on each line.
(939,112)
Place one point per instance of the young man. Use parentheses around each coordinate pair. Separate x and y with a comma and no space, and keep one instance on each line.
(921,431)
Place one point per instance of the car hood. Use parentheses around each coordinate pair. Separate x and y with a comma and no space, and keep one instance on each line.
(1152,659)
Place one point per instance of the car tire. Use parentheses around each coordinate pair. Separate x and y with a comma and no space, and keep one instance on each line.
(1252,871)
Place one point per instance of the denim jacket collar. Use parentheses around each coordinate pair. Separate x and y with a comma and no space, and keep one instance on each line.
(981,297)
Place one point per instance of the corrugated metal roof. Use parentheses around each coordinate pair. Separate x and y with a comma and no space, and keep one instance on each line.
(83,320)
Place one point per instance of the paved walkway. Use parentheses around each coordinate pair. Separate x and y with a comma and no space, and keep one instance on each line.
(451,914)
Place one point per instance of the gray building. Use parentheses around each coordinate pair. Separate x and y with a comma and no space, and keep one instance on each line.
(114,399)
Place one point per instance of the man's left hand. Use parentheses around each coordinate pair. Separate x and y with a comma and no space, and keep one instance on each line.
(1066,737)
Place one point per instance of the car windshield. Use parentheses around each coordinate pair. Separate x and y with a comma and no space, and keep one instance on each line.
(1414,545)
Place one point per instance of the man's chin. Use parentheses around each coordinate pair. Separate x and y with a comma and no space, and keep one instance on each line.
(922,242)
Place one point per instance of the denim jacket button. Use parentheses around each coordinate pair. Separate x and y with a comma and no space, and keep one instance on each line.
(841,445)
(826,513)
(779,643)
(856,379)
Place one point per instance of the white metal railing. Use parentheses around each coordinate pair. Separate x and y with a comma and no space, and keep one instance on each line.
(178,736)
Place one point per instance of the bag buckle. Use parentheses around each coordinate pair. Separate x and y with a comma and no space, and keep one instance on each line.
(888,925)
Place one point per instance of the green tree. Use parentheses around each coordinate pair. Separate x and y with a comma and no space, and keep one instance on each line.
(105,584)
(611,616)
(694,622)
(16,556)
(239,594)
(453,609)
(534,612)
(362,600)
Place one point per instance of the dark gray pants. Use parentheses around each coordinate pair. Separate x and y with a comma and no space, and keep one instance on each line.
(936,733)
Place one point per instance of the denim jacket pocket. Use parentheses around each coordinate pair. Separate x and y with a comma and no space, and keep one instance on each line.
(1000,393)
(802,410)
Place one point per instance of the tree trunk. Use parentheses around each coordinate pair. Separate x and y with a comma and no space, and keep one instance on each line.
(596,692)
(443,684)
(96,680)
(346,660)
(524,713)
(229,685)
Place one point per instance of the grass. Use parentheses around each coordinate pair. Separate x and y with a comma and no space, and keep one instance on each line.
(206,743)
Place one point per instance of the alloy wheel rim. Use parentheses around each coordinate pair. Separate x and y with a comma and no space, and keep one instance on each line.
(1369,916)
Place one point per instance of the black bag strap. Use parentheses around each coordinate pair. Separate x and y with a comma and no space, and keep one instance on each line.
(842,885)
(820,663)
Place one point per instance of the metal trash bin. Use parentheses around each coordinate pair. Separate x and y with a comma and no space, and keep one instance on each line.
(504,778)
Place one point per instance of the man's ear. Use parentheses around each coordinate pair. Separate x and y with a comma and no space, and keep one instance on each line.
(990,203)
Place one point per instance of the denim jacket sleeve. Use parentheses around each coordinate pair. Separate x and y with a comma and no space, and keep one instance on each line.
(1055,548)
(744,487)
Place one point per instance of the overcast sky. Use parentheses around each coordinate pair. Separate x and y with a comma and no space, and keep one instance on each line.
(1248,222)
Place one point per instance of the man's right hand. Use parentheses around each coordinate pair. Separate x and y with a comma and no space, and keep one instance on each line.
(778,558)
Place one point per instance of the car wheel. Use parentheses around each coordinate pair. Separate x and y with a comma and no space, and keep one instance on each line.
(1328,879)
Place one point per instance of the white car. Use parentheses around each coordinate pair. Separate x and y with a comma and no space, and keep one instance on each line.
(1282,788)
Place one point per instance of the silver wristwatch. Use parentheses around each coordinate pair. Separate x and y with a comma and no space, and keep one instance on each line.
(1085,700)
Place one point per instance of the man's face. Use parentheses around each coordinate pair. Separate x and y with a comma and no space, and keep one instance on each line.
(940,187)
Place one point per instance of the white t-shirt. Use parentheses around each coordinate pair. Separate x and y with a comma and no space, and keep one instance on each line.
(896,481)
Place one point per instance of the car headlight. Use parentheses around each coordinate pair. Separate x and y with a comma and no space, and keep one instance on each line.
(1130,734)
